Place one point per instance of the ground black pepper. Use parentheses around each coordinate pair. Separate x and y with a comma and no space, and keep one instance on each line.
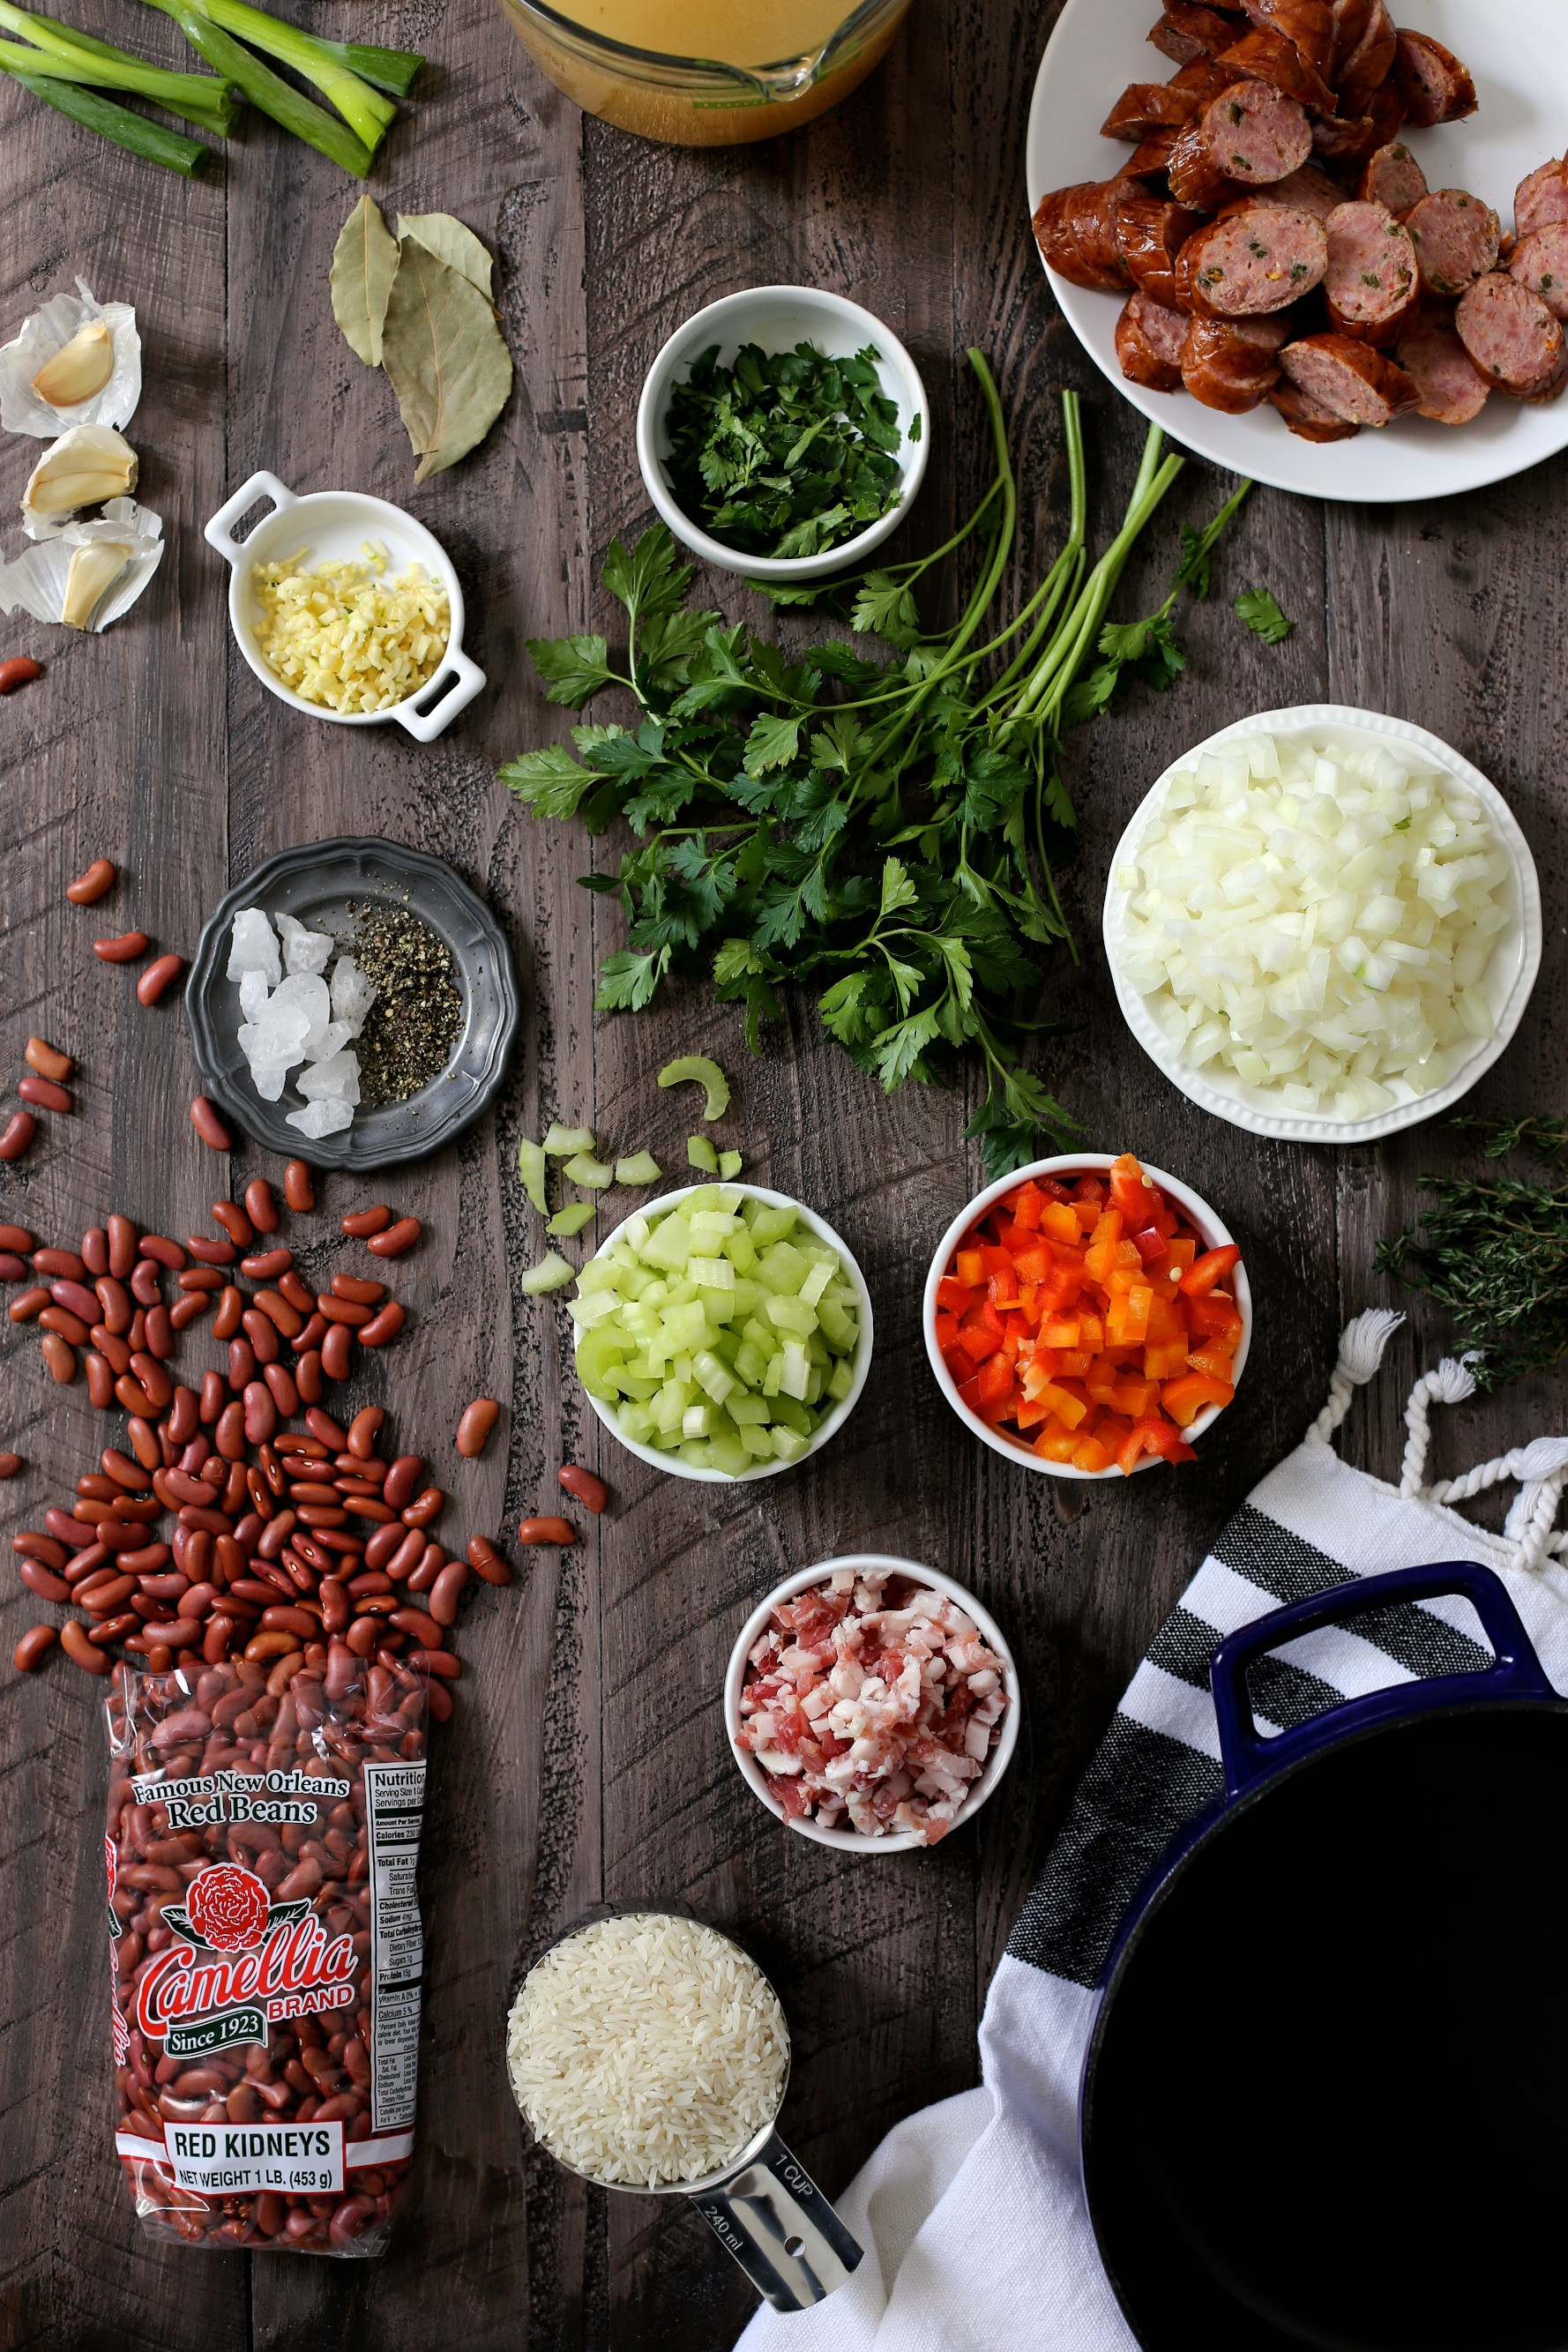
(410,1030)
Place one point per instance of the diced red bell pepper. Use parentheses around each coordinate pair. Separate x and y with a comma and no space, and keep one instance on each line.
(1185,1398)
(1151,1244)
(1061,1221)
(996,1385)
(1211,1267)
(1070,1410)
(969,1267)
(1027,1204)
(1213,1361)
(1165,1359)
(1091,1454)
(1055,1444)
(1152,1436)
(1035,1263)
(1089,1188)
(1131,1192)
(1127,1323)
(946,1332)
(1215,1321)
(955,1297)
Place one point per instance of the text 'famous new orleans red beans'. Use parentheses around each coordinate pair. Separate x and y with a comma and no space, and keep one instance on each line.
(265,1948)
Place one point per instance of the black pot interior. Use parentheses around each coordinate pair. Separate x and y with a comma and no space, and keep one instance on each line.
(1327,2095)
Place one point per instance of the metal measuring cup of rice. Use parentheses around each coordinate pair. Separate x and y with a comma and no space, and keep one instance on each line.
(616,2044)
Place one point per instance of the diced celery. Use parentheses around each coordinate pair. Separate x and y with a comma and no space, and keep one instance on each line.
(790,1315)
(668,1405)
(701,1153)
(773,1375)
(697,1421)
(782,1268)
(841,1379)
(714,1225)
(813,1385)
(718,1305)
(794,1416)
(815,1348)
(796,1371)
(729,1164)
(842,1330)
(705,1074)
(635,1421)
(638,1168)
(771,1225)
(668,1244)
(583,1169)
(599,1307)
(640,1389)
(686,1327)
(563,1141)
(725,1345)
(699,1453)
(740,1249)
(818,1280)
(728,1454)
(681,1293)
(552,1273)
(757,1441)
(531,1168)
(789,1444)
(597,1352)
(742,1409)
(681,1371)
(710,1272)
(710,1375)
(750,1365)
(599,1274)
(573,1218)
(747,1298)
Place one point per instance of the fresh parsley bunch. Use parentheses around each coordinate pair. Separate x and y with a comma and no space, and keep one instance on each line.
(875,829)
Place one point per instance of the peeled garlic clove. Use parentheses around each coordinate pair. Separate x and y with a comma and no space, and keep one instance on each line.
(84,467)
(78,368)
(93,573)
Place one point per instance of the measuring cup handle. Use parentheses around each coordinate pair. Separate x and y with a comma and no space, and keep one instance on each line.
(219,532)
(466,680)
(781,2228)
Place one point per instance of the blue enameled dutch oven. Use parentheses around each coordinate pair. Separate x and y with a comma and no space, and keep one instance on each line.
(1325,2103)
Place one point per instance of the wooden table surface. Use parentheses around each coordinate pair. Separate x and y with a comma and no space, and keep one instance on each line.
(586,1759)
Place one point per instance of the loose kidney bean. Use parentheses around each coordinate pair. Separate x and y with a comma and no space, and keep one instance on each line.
(486,1562)
(409,1552)
(17,1238)
(19,1135)
(266,1262)
(209,1126)
(209,1252)
(142,1435)
(12,1269)
(230,1308)
(68,1326)
(308,1376)
(121,1247)
(421,1579)
(184,1415)
(229,1434)
(123,950)
(278,1311)
(442,1601)
(47,1060)
(89,888)
(134,1398)
(385,1544)
(80,1651)
(385,1327)
(100,1381)
(67,1529)
(363,1430)
(426,1508)
(155,1379)
(203,1277)
(235,1224)
(144,1285)
(9,1464)
(285,1391)
(326,1431)
(335,1352)
(358,1292)
(160,1334)
(260,1412)
(403,1480)
(95,1250)
(31,1545)
(43,1581)
(19,671)
(123,1471)
(163,1252)
(27,1304)
(262,1334)
(300,1187)
(62,1265)
(188,1309)
(214,1397)
(343,1310)
(395,1239)
(365,1222)
(33,1648)
(77,1300)
(114,1301)
(259,1205)
(45,1093)
(437,1661)
(473,1430)
(547,1531)
(59,1357)
(157,978)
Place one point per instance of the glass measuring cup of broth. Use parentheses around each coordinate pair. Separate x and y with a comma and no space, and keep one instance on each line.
(706,73)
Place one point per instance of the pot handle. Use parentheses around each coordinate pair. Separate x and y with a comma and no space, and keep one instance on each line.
(219,532)
(1515,1673)
(778,2225)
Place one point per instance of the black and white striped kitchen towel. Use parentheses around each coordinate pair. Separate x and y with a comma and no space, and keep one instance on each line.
(970,2212)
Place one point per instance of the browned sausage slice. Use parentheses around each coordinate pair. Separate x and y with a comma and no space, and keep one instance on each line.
(1306,417)
(1195,179)
(1252,262)
(1541,197)
(1307,24)
(1352,19)
(1347,142)
(1145,107)
(1393,177)
(1309,190)
(1356,382)
(1152,159)
(1076,231)
(1232,364)
(1511,336)
(1268,56)
(1150,235)
(1436,87)
(1184,32)
(1149,343)
(1450,390)
(1457,237)
(1370,63)
(1255,135)
(1370,283)
(1540,262)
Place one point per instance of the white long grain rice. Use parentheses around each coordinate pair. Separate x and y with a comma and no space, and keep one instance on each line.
(647,2050)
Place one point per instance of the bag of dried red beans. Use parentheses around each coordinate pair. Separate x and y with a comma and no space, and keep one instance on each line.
(266,1948)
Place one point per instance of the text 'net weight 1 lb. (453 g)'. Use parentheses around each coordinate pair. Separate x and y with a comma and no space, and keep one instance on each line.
(265,1949)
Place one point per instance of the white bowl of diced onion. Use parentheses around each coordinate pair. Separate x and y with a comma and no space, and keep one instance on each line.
(855,1564)
(1323,925)
(830,1305)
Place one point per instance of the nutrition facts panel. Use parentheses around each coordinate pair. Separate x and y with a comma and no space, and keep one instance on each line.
(395,1800)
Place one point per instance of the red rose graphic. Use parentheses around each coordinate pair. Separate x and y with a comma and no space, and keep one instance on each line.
(227,1907)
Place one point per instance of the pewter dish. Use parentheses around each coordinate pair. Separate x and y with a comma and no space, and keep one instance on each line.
(315,883)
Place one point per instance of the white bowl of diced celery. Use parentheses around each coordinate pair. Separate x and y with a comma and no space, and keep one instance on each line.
(724,1332)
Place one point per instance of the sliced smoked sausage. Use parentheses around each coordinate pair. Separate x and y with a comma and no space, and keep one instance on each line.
(1540,262)
(1255,135)
(1309,190)
(1076,231)
(1195,179)
(1539,197)
(1149,343)
(1457,239)
(1149,237)
(1307,24)
(1185,33)
(1436,87)
(1450,390)
(1268,56)
(1306,417)
(1252,262)
(1232,364)
(1511,336)
(1346,141)
(1145,107)
(1152,159)
(1351,21)
(1393,177)
(1370,63)
(1370,283)
(1354,381)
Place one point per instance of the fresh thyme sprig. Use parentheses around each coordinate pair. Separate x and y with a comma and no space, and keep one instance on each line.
(1496,1255)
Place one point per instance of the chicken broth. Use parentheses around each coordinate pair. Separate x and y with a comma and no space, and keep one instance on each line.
(732,32)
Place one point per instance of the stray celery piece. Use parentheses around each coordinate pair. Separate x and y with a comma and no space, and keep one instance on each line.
(583,1169)
(641,1167)
(563,1141)
(700,1071)
(729,1166)
(531,1168)
(118,124)
(701,1153)
(573,1218)
(552,1273)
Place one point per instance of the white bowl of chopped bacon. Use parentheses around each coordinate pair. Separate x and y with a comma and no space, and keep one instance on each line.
(871,1691)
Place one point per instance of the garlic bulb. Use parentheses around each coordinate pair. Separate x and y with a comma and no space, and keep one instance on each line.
(84,467)
(94,569)
(78,368)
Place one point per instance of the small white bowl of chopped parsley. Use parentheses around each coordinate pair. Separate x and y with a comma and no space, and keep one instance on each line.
(783,433)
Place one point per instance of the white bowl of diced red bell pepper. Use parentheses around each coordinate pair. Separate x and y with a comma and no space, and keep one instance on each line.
(1088,1317)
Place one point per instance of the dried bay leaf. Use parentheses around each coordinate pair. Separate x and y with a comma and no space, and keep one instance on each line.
(451,242)
(446,357)
(364,263)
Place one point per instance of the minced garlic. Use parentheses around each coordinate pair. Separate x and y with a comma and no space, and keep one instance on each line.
(346,636)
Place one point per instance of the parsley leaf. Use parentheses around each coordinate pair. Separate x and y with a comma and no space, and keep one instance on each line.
(1263,617)
(574,668)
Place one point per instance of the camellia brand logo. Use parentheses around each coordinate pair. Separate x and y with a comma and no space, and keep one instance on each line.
(236,1950)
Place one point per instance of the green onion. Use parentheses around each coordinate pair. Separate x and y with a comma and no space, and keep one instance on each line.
(396,70)
(366,112)
(170,89)
(299,115)
(118,124)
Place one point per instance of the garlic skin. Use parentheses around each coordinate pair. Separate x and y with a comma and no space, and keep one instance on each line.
(84,467)
(94,569)
(47,333)
(78,368)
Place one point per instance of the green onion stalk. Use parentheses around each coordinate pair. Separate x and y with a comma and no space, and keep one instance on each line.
(134,133)
(271,95)
(58,53)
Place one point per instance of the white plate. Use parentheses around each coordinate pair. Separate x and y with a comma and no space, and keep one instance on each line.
(1516,51)
(1510,976)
